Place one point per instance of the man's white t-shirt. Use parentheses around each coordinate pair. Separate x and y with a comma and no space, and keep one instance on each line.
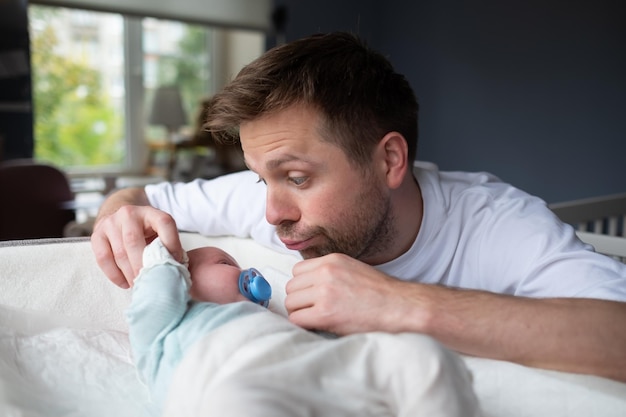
(477,233)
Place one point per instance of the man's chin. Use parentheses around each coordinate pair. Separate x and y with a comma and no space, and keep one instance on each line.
(317,251)
(313,252)
(309,253)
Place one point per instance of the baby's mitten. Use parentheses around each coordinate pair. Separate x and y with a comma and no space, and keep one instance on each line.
(156,253)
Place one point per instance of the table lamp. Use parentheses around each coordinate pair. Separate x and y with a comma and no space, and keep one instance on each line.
(167,110)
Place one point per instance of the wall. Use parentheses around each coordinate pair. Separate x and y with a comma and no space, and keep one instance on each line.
(305,17)
(532,91)
(232,49)
(16,115)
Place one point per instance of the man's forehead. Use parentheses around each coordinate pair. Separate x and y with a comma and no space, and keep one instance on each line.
(269,147)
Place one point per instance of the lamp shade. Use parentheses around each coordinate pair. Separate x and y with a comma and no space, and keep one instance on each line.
(167,109)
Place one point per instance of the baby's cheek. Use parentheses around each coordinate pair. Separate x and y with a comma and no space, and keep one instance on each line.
(220,292)
(232,295)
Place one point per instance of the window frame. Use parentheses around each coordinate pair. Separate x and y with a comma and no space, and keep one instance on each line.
(135,144)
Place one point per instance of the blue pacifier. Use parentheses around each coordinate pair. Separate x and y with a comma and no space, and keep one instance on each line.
(254,287)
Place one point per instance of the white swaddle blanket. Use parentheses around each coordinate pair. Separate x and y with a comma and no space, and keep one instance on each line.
(264,366)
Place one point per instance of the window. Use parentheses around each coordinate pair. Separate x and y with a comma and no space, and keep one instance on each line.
(175,53)
(95,75)
(79,114)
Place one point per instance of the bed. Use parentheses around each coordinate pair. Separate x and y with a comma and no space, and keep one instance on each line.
(64,349)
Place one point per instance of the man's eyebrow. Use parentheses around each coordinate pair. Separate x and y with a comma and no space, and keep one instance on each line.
(276,163)
(273,164)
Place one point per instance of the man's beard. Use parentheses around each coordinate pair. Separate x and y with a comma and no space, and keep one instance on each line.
(362,234)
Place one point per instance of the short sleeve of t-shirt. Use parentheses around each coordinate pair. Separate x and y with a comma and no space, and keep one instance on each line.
(230,205)
(480,233)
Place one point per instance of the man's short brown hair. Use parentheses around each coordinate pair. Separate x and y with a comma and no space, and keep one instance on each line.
(356,91)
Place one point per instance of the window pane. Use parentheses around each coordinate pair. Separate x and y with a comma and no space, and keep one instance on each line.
(175,54)
(78,87)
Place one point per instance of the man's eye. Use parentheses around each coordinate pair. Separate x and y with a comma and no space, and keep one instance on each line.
(298,180)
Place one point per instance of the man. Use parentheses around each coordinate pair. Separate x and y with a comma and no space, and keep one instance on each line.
(331,130)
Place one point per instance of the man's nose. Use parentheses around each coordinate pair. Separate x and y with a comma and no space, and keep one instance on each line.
(280,207)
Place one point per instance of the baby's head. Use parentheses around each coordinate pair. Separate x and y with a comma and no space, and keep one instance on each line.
(214,276)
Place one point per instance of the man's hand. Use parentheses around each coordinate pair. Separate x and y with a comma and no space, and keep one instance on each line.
(339,294)
(123,230)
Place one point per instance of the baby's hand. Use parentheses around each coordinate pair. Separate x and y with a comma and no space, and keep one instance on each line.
(156,253)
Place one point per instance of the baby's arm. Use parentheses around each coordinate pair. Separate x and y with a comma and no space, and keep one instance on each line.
(159,302)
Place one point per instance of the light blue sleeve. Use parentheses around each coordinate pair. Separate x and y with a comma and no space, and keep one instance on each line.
(159,303)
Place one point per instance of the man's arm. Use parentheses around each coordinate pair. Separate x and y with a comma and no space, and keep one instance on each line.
(341,295)
(566,334)
(125,224)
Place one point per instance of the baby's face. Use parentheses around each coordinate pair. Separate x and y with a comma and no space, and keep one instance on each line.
(214,276)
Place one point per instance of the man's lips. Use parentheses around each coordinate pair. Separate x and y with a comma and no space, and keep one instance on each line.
(294,244)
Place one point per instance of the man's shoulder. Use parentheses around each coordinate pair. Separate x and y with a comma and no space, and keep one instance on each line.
(457,189)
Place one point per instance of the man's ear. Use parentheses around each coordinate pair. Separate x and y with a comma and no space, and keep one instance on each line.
(393,157)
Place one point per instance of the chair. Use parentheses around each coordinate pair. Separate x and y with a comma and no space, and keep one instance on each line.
(36,200)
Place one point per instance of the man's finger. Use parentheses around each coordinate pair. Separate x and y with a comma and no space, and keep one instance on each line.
(164,226)
(106,261)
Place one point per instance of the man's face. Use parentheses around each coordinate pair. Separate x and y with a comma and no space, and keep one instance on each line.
(318,201)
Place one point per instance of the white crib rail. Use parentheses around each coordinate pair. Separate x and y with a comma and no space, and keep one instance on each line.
(599,221)
(603,215)
(613,246)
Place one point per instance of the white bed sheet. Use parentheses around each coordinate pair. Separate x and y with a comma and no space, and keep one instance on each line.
(64,349)
(53,367)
